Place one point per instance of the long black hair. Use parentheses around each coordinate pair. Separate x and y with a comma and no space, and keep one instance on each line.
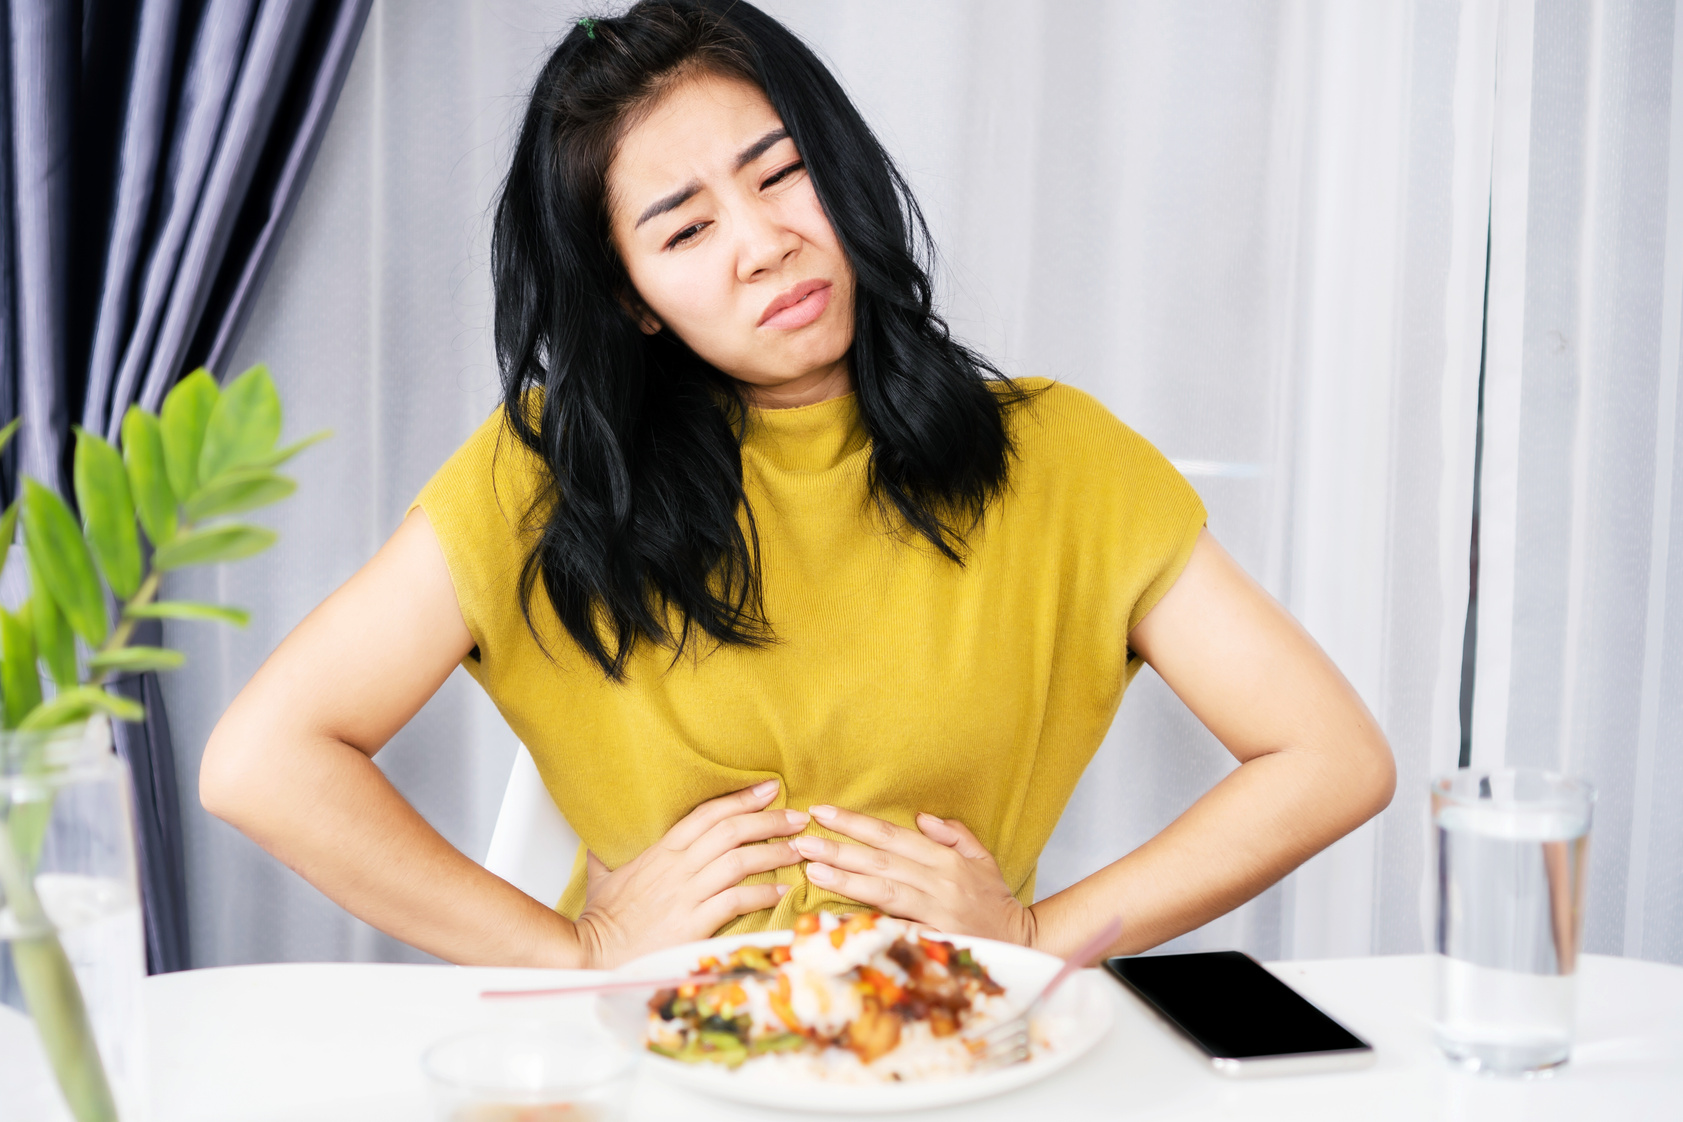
(640,537)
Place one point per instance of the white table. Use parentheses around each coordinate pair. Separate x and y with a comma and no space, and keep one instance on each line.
(340,1042)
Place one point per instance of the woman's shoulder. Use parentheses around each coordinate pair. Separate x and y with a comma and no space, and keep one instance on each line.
(1076,461)
(1052,422)
(481,505)
(492,476)
(1080,472)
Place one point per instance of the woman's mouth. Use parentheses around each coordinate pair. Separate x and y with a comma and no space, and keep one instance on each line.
(798,306)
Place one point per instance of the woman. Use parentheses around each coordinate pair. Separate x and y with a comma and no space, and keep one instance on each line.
(796,602)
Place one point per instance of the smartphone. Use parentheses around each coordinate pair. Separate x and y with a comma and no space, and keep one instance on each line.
(1239,1015)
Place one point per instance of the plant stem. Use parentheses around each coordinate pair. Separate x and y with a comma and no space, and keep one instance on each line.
(126,625)
(54,999)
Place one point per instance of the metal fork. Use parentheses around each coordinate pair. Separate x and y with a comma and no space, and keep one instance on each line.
(1007,1043)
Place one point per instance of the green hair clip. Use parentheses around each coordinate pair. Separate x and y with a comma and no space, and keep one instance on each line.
(589,26)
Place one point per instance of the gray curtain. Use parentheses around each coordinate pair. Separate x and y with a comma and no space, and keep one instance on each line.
(154,151)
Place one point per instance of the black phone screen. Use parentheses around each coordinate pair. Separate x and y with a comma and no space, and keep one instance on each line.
(1232,1006)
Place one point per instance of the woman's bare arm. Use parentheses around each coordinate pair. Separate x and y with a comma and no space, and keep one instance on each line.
(290,764)
(1313,763)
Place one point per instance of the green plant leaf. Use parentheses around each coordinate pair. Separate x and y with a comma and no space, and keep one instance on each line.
(243,426)
(18,676)
(9,431)
(136,659)
(143,456)
(215,543)
(187,609)
(102,491)
(181,422)
(8,531)
(53,639)
(62,560)
(280,455)
(83,701)
(233,492)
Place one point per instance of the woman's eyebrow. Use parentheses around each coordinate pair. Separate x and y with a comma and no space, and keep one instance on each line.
(757,149)
(671,202)
(685,193)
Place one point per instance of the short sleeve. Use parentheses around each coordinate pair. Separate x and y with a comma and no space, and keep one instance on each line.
(1133,519)
(1169,516)
(477,504)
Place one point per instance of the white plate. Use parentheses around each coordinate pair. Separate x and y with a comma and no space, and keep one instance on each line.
(1083,1004)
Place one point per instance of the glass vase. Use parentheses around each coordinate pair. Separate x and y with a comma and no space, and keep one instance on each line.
(72,952)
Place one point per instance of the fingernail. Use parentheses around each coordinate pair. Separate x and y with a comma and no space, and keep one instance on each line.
(796,818)
(783,890)
(823,874)
(822,813)
(809,847)
(924,815)
(766,788)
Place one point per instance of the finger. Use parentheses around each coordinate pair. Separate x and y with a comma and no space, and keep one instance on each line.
(866,860)
(594,871)
(953,833)
(937,830)
(710,813)
(724,871)
(877,834)
(742,829)
(738,900)
(895,898)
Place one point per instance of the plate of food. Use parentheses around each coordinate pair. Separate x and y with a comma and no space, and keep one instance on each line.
(884,1014)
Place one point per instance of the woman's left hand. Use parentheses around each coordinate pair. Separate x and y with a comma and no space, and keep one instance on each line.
(938,874)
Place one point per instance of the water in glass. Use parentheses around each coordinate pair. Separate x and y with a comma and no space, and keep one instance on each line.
(1511,855)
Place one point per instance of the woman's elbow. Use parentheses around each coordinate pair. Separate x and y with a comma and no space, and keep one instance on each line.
(229,782)
(1377,781)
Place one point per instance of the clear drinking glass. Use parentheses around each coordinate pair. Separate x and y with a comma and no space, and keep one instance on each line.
(70,908)
(530,1073)
(1512,850)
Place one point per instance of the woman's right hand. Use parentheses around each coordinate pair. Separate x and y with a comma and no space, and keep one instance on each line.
(687,885)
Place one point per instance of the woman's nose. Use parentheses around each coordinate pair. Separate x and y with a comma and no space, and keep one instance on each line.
(765,245)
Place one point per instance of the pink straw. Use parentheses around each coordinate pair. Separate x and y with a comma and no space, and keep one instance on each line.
(609,987)
(1085,955)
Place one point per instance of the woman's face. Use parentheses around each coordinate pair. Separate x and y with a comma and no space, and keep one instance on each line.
(717,222)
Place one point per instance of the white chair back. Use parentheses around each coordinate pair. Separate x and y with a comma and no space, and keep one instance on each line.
(532,847)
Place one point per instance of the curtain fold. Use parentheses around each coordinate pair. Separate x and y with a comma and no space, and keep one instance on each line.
(175,135)
(143,145)
(295,137)
(43,66)
(8,298)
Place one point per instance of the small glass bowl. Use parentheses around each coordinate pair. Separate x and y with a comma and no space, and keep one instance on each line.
(548,1073)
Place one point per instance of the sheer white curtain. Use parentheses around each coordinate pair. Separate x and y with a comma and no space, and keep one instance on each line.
(1581,561)
(1256,231)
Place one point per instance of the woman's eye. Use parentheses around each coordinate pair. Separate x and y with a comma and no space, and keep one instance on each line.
(779,176)
(685,234)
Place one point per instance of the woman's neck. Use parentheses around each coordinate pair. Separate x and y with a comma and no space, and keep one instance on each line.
(811,388)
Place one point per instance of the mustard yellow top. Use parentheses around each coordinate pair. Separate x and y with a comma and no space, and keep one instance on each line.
(899,682)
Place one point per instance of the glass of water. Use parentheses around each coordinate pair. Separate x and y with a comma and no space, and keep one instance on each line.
(72,955)
(1512,851)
